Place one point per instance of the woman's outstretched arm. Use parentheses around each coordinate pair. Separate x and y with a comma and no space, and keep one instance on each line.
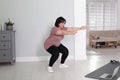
(76,28)
(70,31)
(65,32)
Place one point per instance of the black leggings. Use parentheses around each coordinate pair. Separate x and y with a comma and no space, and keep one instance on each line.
(54,51)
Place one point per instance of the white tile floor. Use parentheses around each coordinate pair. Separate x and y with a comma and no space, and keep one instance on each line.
(76,71)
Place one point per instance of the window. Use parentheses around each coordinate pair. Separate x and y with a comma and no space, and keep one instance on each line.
(102,15)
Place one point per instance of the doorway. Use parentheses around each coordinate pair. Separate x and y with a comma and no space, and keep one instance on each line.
(102,15)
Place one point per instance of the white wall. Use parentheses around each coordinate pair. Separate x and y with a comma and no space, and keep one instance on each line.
(33,20)
(80,37)
(118,13)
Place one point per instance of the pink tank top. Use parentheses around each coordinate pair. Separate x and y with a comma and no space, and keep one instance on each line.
(53,39)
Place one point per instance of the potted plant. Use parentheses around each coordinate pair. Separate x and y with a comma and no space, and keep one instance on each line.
(9,25)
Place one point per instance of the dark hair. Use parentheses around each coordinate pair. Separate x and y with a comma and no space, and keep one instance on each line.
(59,20)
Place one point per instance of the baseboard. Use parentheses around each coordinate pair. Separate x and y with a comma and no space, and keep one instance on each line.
(36,58)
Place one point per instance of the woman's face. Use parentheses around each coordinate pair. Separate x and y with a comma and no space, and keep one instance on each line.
(61,25)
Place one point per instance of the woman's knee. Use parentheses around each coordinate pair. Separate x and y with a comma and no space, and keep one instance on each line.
(66,52)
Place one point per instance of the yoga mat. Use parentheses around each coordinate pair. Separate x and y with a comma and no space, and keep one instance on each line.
(108,68)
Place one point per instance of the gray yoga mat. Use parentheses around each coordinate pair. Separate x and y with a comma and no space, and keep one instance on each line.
(108,68)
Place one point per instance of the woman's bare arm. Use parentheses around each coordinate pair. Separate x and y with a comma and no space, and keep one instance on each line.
(70,31)
(76,28)
(65,32)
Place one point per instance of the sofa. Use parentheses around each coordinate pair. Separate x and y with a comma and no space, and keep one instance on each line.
(104,36)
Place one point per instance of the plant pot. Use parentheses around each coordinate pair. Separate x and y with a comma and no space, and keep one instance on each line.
(9,27)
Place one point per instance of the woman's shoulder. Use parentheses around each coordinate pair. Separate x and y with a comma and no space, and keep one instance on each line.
(54,28)
(65,28)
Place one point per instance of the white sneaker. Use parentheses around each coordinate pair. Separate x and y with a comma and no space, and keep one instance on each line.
(50,69)
(63,66)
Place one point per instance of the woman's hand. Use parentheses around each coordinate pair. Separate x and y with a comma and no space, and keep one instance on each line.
(83,27)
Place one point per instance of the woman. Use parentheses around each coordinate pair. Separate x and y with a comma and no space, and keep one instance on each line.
(53,45)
